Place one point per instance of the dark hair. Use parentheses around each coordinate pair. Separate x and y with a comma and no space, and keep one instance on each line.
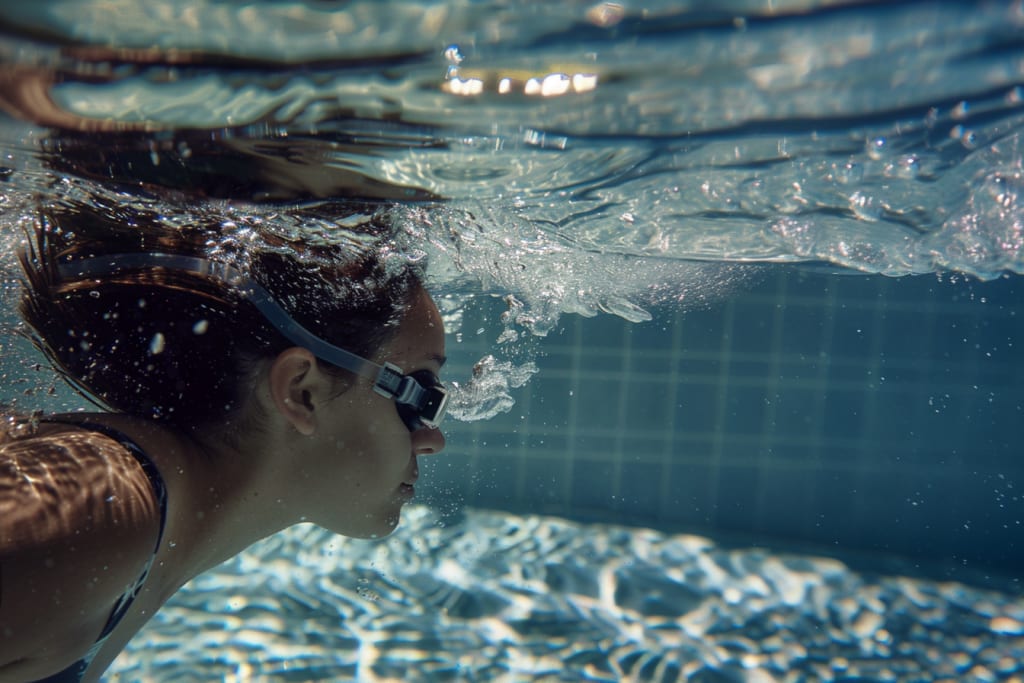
(176,346)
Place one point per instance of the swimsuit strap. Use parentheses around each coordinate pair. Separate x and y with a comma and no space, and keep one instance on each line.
(159,488)
(76,671)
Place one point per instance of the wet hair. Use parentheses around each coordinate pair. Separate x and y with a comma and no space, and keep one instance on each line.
(180,347)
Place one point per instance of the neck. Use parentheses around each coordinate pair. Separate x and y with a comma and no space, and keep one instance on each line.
(235,494)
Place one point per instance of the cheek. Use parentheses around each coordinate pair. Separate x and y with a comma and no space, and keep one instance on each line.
(381,430)
(382,418)
(371,424)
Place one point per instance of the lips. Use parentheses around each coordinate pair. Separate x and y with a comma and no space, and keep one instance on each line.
(407,487)
(411,481)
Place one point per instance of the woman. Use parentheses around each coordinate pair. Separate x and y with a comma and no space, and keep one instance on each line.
(250,391)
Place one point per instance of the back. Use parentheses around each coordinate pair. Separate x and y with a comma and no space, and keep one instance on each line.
(80,519)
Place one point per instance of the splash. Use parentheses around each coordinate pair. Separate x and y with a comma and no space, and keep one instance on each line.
(543,273)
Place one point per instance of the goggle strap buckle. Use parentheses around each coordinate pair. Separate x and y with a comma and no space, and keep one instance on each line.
(389,382)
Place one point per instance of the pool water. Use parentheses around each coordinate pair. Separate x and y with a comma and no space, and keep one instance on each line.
(733,301)
(500,597)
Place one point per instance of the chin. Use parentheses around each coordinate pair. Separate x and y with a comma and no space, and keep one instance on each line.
(373,527)
(391,523)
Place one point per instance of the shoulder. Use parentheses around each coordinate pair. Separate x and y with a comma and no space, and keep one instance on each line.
(68,481)
(80,520)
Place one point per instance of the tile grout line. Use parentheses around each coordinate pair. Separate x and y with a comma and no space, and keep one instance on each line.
(573,412)
(869,420)
(666,485)
(618,448)
(721,408)
(766,442)
(821,381)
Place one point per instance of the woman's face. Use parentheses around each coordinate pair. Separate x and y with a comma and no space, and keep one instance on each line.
(370,455)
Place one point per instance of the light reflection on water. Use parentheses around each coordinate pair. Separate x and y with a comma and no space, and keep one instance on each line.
(880,138)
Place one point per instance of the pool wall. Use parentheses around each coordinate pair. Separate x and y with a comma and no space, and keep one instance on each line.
(858,413)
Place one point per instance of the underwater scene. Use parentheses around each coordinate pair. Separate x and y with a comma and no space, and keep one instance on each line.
(733,302)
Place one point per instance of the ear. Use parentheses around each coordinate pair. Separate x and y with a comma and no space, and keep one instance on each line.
(295,380)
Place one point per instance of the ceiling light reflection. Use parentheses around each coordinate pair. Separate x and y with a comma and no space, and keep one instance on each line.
(467,83)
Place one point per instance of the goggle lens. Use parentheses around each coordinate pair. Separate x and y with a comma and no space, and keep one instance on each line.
(428,408)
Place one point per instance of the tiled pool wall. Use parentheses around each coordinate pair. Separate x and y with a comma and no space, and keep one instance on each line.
(861,413)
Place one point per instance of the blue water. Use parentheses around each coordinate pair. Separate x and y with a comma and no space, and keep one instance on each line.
(717,183)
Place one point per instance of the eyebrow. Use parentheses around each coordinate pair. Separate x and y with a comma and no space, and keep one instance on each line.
(441,360)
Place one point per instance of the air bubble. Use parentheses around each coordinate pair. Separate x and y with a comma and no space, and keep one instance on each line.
(605,14)
(907,166)
(454,57)
(753,195)
(625,309)
(453,54)
(157,344)
(1001,189)
(849,173)
(877,147)
(865,207)
(488,392)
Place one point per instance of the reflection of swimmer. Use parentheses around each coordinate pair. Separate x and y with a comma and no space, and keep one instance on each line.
(234,416)
(342,158)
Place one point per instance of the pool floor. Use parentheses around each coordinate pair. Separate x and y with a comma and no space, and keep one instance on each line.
(496,597)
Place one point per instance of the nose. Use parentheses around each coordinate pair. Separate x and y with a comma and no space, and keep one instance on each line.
(427,441)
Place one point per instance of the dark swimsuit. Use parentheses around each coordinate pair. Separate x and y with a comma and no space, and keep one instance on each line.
(76,671)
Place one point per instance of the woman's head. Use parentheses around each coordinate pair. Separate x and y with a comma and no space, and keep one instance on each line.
(352,457)
(181,347)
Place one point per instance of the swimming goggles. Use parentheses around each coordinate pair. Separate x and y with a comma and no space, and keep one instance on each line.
(419,396)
